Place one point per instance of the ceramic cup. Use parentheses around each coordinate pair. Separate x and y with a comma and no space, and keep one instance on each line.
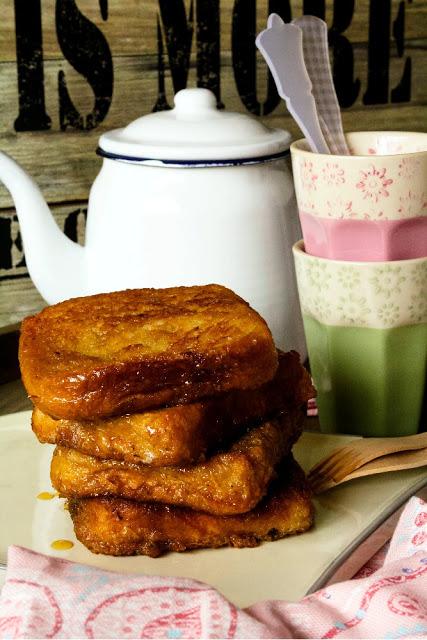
(368,206)
(366,331)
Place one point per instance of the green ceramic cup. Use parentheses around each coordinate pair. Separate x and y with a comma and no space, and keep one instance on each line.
(366,330)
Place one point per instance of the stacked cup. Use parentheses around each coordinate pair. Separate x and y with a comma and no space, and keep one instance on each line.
(362,280)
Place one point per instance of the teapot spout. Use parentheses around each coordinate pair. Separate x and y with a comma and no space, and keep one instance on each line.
(55,263)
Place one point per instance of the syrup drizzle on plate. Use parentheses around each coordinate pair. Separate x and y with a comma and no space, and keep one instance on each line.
(46,495)
(62,545)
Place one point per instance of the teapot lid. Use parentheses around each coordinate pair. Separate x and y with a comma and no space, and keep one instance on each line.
(195,133)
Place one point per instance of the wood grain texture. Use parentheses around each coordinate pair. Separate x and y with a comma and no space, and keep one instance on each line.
(18,296)
(18,299)
(131,26)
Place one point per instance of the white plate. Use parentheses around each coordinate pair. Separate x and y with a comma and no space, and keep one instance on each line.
(285,569)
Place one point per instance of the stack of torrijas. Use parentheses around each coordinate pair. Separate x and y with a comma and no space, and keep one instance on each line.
(174,417)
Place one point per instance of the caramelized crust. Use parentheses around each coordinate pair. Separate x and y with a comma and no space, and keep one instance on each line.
(121,527)
(129,351)
(228,483)
(183,434)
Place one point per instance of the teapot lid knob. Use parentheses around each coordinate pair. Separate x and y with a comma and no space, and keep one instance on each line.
(191,101)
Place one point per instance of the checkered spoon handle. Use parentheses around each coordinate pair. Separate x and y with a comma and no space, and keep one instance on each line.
(316,58)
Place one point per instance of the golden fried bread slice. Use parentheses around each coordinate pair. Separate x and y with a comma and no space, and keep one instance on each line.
(228,483)
(121,527)
(129,351)
(183,434)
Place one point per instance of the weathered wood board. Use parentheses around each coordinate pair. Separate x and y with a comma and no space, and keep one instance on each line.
(131,25)
(63,160)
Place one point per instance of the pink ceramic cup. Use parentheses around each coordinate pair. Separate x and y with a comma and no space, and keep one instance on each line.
(369,206)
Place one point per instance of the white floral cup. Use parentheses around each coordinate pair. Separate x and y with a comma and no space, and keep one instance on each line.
(371,205)
(366,329)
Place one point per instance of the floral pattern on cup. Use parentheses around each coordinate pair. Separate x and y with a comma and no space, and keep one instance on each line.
(410,204)
(319,277)
(388,280)
(353,310)
(362,294)
(348,277)
(418,309)
(418,275)
(389,314)
(374,183)
(308,177)
(407,168)
(334,205)
(365,187)
(333,174)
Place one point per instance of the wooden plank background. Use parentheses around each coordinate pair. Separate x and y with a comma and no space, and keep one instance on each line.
(64,163)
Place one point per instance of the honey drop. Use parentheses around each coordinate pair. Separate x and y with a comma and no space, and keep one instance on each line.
(62,545)
(46,495)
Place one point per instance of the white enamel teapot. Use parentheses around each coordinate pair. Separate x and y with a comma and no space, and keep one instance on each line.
(193,195)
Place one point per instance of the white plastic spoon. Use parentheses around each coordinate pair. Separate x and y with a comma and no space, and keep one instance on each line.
(281,46)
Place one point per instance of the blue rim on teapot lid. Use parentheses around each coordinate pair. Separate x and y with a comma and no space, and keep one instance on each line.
(195,133)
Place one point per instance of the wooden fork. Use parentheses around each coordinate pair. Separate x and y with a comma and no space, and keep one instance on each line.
(345,461)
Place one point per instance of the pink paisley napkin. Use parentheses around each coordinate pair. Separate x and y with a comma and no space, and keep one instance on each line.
(52,598)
